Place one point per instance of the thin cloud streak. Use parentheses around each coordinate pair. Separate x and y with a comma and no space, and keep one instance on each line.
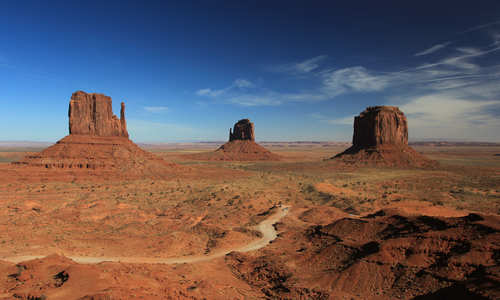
(239,83)
(475,28)
(432,49)
(300,68)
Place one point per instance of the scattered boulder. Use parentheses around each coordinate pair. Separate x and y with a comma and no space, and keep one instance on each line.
(381,138)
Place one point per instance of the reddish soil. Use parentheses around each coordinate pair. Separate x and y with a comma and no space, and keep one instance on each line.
(385,255)
(352,231)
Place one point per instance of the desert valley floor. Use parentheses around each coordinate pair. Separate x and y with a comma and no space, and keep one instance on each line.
(343,231)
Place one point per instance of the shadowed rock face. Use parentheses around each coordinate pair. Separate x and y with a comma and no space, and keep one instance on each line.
(92,114)
(243,130)
(380,125)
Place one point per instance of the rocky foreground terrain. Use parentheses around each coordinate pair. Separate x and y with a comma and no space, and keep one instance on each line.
(351,232)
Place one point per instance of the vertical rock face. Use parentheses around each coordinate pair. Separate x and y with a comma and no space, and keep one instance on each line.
(380,125)
(243,130)
(92,114)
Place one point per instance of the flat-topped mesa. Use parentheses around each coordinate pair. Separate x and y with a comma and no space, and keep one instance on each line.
(380,125)
(243,130)
(381,138)
(92,114)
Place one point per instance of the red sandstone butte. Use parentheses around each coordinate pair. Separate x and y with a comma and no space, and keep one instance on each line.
(380,125)
(92,114)
(240,147)
(97,140)
(381,138)
(243,130)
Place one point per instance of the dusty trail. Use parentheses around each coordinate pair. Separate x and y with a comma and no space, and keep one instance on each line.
(265,227)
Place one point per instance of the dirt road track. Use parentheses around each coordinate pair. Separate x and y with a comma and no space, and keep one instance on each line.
(265,227)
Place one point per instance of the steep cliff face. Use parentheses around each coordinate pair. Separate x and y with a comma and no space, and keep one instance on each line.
(243,130)
(380,125)
(381,138)
(92,114)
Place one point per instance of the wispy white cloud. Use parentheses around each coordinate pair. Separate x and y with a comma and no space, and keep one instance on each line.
(432,49)
(243,83)
(309,64)
(264,99)
(462,59)
(458,69)
(482,26)
(245,93)
(239,83)
(354,79)
(450,84)
(210,92)
(270,98)
(156,109)
(496,39)
(302,67)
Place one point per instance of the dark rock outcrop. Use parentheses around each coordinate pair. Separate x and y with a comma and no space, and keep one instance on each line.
(381,138)
(92,114)
(243,130)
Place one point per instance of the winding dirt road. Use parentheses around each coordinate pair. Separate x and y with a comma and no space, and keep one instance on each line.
(265,227)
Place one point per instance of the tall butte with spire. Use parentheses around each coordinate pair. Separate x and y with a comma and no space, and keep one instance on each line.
(97,140)
(92,114)
(381,138)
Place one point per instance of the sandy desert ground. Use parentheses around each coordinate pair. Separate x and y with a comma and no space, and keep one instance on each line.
(343,231)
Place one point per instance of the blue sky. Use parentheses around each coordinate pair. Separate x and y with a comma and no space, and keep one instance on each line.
(300,70)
